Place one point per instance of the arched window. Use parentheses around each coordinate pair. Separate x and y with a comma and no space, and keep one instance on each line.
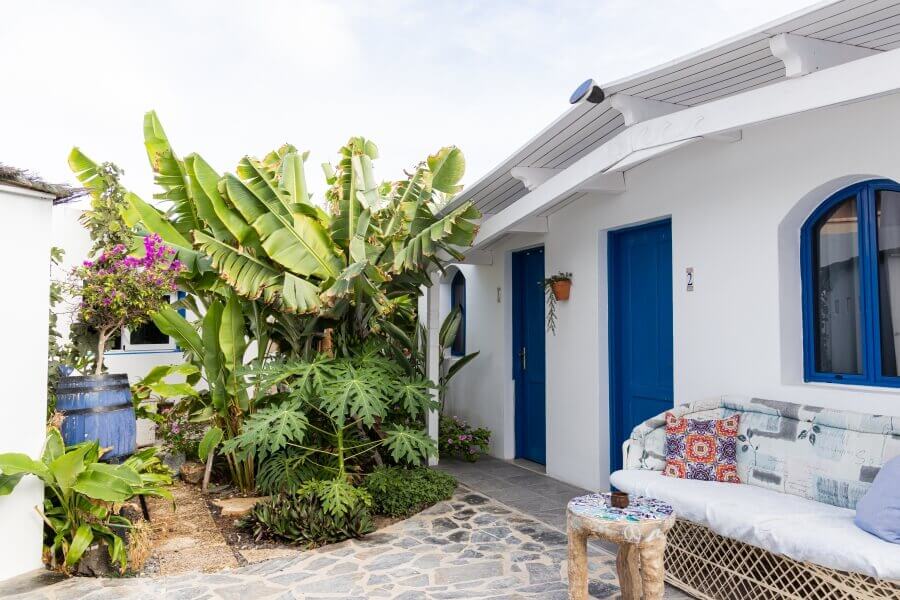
(458,299)
(850,250)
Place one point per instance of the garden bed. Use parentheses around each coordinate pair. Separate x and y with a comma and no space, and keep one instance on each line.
(198,537)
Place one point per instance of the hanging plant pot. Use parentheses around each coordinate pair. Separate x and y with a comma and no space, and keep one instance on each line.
(561,288)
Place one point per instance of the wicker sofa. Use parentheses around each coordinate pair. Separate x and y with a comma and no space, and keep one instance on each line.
(787,532)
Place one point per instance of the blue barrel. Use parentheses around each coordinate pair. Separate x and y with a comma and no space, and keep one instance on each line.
(98,407)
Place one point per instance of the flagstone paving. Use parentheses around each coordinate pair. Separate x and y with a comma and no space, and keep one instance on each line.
(469,547)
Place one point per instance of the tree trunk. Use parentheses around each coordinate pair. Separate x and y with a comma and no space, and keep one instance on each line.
(101,347)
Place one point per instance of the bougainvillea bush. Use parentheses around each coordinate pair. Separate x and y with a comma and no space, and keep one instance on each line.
(118,290)
(458,438)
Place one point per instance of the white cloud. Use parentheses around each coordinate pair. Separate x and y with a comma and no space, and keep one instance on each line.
(229,78)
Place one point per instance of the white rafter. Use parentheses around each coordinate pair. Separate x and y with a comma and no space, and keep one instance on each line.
(802,55)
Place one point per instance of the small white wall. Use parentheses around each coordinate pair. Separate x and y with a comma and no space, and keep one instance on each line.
(736,211)
(25,245)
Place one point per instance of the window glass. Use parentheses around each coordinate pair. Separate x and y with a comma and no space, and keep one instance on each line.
(458,300)
(836,290)
(148,333)
(887,210)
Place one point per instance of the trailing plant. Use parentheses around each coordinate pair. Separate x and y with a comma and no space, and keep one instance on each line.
(550,293)
(119,291)
(81,493)
(398,492)
(458,438)
(301,517)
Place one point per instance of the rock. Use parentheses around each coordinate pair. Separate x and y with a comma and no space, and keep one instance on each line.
(192,472)
(238,507)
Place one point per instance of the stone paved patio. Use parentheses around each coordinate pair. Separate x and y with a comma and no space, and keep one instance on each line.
(504,543)
(469,547)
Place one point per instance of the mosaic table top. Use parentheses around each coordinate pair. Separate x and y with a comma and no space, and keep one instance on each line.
(640,508)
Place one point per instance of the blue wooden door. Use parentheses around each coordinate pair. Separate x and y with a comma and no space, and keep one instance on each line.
(640,328)
(528,354)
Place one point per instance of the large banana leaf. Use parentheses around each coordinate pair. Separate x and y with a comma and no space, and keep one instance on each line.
(447,168)
(170,176)
(232,338)
(198,170)
(252,278)
(85,170)
(174,325)
(456,228)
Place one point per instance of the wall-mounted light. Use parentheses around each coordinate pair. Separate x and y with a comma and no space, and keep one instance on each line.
(587,92)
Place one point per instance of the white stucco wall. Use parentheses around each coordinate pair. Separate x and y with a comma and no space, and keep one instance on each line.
(25,246)
(736,211)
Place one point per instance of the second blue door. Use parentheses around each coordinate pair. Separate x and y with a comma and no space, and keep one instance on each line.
(528,354)
(640,329)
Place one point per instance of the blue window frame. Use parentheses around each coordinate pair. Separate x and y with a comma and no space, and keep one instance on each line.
(850,269)
(458,300)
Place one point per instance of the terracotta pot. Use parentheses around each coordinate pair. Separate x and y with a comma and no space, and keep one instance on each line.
(561,289)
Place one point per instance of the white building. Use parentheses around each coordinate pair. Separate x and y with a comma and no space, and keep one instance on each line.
(25,245)
(731,220)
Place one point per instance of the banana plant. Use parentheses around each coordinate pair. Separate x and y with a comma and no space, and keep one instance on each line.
(217,353)
(80,491)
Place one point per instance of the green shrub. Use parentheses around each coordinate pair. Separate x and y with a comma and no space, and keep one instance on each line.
(398,492)
(301,518)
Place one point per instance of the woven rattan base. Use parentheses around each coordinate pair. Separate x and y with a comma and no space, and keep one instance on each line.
(713,567)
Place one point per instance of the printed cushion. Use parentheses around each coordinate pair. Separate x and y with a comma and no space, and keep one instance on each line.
(702,449)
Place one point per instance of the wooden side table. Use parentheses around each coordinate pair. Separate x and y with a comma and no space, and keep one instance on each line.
(639,530)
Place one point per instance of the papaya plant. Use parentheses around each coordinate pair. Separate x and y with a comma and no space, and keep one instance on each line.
(80,493)
(322,411)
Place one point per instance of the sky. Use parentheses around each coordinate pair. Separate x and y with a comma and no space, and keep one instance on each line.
(229,78)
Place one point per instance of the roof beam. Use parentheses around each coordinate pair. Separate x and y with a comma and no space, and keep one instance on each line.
(802,55)
(604,183)
(635,110)
(849,82)
(532,177)
(529,225)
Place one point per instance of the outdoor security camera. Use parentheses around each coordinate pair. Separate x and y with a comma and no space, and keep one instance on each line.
(587,91)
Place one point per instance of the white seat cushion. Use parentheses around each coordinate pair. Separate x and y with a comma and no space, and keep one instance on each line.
(802,529)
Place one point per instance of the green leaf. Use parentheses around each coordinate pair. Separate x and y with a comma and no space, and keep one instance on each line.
(211,440)
(171,323)
(232,340)
(196,168)
(83,538)
(212,359)
(409,445)
(447,168)
(363,393)
(123,472)
(169,175)
(269,430)
(415,395)
(156,222)
(338,496)
(9,482)
(101,484)
(54,447)
(458,364)
(293,179)
(13,463)
(450,327)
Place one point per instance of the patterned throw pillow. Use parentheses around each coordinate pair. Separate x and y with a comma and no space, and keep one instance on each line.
(700,449)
